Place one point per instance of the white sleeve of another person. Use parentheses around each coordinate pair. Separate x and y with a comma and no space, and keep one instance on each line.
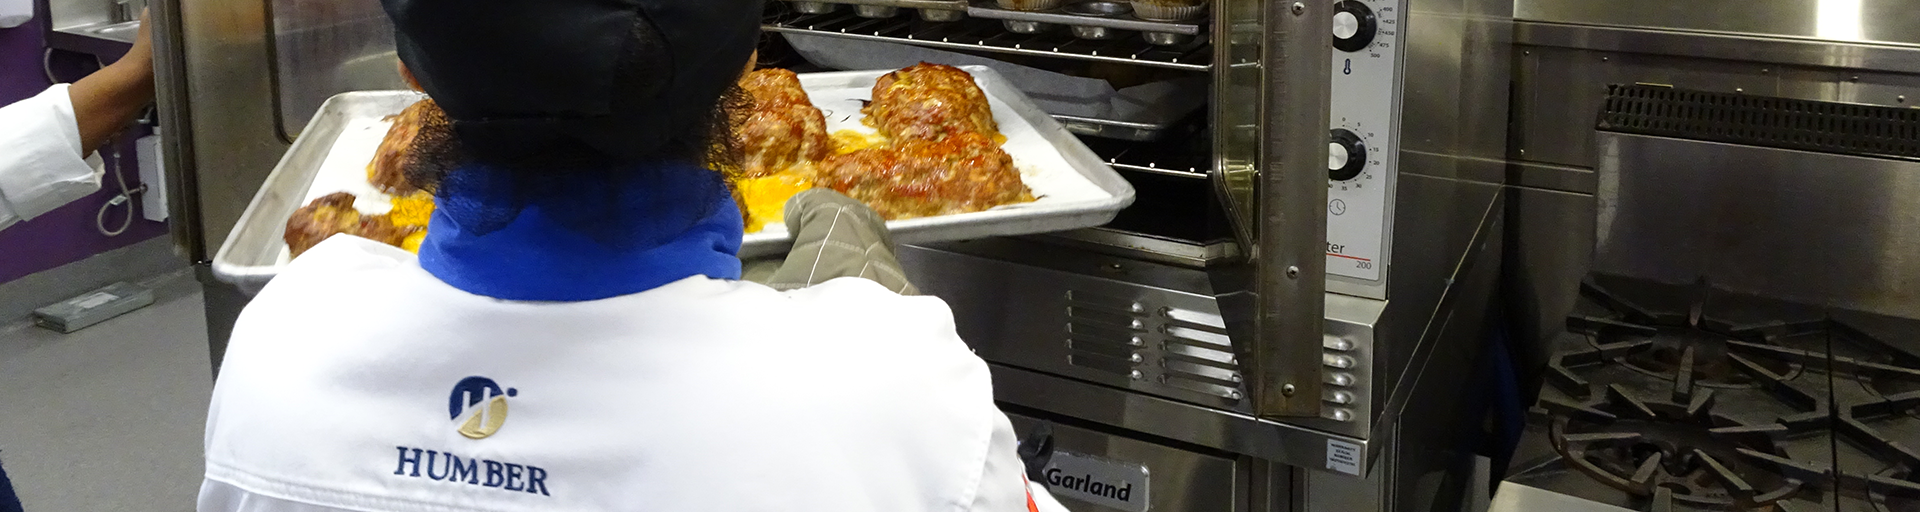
(41,167)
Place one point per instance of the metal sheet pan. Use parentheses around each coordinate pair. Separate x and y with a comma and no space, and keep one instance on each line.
(1087,106)
(1076,189)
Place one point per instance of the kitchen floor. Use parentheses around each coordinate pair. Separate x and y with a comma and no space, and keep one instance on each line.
(109,418)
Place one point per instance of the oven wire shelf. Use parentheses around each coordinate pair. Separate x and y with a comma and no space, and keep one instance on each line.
(986,35)
(1154,168)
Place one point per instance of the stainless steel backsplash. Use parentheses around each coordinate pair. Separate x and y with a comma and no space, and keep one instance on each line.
(1567,51)
(1887,21)
(1813,227)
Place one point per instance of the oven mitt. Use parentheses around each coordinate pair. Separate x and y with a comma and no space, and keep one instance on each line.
(835,236)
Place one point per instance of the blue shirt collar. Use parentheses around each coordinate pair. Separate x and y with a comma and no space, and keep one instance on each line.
(579,239)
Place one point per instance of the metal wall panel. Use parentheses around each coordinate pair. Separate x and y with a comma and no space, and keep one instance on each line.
(1446,229)
(1559,92)
(1722,46)
(1561,72)
(1811,227)
(326,47)
(1459,58)
(1560,76)
(1550,245)
(1887,21)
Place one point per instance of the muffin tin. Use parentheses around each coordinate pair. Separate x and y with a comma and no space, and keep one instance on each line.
(1095,20)
(1099,9)
(930,10)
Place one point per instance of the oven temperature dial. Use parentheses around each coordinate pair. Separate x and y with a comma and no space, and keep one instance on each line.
(1346,155)
(1353,26)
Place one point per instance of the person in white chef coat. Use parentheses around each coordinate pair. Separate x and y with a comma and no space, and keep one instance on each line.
(573,334)
(45,139)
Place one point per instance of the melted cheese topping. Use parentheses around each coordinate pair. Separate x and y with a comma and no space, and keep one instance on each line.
(412,210)
(848,141)
(412,242)
(767,197)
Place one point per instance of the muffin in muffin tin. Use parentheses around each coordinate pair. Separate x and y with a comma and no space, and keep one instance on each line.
(1029,5)
(1169,10)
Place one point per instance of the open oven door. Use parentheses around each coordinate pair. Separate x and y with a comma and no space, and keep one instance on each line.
(1272,106)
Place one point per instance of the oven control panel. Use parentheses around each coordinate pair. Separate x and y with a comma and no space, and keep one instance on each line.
(1362,143)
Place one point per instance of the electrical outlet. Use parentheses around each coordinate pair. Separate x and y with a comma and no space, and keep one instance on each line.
(153,202)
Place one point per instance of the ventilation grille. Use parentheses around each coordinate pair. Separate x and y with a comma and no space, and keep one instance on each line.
(1842,128)
(1157,347)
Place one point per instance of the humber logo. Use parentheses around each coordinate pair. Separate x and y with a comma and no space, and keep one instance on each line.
(482,403)
(479,405)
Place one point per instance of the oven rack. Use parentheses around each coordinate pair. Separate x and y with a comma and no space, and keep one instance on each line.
(1169,157)
(990,36)
(1123,129)
(1155,168)
(1090,19)
(1146,246)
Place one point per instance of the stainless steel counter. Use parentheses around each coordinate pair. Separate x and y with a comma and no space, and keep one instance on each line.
(1514,497)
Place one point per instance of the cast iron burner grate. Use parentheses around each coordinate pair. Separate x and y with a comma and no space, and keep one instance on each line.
(1894,490)
(1668,452)
(1883,419)
(1688,398)
(1690,348)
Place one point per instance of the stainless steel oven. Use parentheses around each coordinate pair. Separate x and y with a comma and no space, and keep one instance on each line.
(1288,314)
(1284,313)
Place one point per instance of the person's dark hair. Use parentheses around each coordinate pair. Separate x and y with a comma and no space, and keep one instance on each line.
(707,143)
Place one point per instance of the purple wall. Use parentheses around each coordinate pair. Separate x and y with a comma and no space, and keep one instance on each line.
(67,234)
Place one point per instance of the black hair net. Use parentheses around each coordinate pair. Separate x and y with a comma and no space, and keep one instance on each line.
(517,76)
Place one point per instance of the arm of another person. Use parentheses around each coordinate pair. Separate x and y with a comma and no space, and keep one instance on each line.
(105,101)
(1005,487)
(48,137)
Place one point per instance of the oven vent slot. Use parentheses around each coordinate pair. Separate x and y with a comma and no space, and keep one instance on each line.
(1203,374)
(1153,346)
(1827,127)
(1104,334)
(1196,354)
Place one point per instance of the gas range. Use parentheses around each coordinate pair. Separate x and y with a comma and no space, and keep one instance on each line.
(1663,397)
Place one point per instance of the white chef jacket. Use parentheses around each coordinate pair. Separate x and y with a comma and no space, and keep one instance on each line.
(358,381)
(41,164)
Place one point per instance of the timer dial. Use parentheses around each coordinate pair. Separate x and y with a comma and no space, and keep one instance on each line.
(1346,155)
